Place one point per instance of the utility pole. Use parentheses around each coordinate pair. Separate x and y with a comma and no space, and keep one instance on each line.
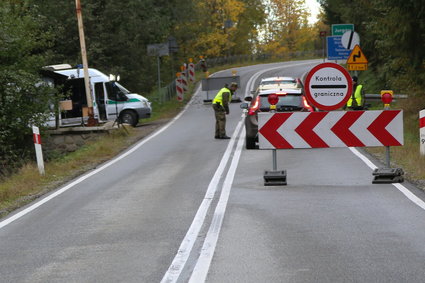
(91,122)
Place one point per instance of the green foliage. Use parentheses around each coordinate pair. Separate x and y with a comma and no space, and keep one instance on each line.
(286,28)
(21,102)
(392,36)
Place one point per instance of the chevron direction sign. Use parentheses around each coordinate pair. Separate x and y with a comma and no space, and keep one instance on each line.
(330,129)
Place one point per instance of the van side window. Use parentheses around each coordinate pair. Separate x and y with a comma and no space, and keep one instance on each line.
(114,92)
(100,94)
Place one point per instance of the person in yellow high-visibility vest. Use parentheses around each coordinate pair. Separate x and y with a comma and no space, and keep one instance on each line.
(356,101)
(221,108)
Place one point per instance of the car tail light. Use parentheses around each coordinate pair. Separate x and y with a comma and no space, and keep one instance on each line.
(306,105)
(254,108)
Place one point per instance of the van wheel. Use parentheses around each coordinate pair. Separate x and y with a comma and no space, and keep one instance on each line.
(250,143)
(129,117)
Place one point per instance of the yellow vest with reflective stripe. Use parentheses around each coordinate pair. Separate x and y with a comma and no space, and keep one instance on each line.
(357,97)
(219,96)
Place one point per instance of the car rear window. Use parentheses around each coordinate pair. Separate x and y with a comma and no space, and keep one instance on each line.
(278,82)
(286,100)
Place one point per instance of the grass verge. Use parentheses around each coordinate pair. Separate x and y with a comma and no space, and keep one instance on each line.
(27,184)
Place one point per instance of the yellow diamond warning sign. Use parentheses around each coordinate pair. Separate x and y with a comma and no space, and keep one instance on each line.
(357,56)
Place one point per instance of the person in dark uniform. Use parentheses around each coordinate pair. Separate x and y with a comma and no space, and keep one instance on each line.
(221,108)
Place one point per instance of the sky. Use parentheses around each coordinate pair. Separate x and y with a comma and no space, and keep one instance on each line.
(314,7)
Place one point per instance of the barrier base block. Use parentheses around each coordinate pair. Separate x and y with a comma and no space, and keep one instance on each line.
(275,178)
(388,175)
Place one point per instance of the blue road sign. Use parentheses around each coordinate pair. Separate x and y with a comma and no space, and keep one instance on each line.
(336,51)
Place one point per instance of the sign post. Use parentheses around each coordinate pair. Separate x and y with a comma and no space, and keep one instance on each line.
(323,36)
(274,177)
(422,131)
(387,174)
(328,86)
(38,151)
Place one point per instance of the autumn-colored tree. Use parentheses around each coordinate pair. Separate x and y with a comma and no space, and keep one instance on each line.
(287,28)
(217,24)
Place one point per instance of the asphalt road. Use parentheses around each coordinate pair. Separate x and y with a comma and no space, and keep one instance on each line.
(181,206)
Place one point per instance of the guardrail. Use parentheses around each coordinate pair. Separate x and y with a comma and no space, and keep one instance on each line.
(377,96)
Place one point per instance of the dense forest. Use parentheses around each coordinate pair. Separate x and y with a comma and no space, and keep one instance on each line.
(35,33)
(392,36)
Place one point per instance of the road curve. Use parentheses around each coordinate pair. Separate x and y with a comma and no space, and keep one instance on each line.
(128,220)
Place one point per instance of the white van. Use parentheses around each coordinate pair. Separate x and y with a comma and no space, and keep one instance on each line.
(109,97)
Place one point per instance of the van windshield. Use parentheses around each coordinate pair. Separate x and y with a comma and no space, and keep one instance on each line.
(123,89)
(116,91)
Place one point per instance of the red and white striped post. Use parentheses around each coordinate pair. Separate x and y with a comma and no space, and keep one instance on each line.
(191,70)
(38,151)
(179,87)
(183,77)
(422,131)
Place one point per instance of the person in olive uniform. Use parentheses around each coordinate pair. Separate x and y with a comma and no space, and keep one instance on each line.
(221,108)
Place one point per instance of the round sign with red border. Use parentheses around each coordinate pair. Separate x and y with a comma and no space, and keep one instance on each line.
(328,86)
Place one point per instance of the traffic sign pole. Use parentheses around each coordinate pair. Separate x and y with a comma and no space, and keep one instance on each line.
(274,177)
(387,174)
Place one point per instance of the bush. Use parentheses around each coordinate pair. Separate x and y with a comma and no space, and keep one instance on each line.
(22,103)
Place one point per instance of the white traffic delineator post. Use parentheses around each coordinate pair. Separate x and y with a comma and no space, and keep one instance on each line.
(38,151)
(422,131)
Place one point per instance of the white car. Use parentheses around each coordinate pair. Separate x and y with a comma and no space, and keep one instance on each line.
(279,83)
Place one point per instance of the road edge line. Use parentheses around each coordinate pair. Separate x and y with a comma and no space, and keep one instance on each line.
(405,191)
(56,193)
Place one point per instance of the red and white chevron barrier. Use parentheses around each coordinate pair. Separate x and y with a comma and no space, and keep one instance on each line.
(191,72)
(330,129)
(422,131)
(184,82)
(179,87)
(38,151)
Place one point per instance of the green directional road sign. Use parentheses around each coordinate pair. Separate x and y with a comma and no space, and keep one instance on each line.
(340,29)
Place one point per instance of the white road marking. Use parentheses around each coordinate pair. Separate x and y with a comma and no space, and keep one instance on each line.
(174,271)
(179,261)
(39,203)
(399,186)
(204,261)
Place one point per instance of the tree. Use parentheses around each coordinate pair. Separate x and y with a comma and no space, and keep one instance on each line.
(22,102)
(286,28)
(392,36)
